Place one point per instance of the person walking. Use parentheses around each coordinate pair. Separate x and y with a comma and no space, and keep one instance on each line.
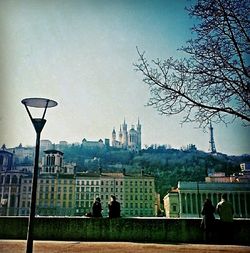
(114,208)
(208,220)
(97,208)
(225,210)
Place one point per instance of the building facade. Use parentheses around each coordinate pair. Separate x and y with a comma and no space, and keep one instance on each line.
(93,144)
(63,192)
(10,182)
(187,199)
(135,192)
(55,187)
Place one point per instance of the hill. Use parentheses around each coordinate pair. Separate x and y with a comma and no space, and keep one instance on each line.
(167,165)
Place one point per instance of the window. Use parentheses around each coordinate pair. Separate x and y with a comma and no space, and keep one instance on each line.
(7,180)
(53,160)
(14,180)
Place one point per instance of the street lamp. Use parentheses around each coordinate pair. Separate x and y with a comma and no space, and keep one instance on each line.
(38,124)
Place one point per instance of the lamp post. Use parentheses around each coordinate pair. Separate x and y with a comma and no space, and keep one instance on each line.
(38,124)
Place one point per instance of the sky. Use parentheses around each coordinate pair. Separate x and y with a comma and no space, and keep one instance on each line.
(80,53)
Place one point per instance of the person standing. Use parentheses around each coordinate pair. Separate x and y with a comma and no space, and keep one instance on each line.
(225,210)
(208,220)
(114,208)
(97,208)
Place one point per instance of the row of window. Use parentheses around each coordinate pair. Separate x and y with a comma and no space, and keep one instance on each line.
(55,196)
(116,182)
(59,181)
(85,182)
(96,189)
(52,189)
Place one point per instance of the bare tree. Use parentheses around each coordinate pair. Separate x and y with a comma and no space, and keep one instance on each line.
(212,82)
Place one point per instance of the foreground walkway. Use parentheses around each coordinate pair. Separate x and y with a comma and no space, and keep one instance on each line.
(19,246)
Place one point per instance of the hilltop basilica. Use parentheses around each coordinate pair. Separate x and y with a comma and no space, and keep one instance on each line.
(130,140)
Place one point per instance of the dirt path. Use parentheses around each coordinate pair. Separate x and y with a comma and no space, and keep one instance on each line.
(15,246)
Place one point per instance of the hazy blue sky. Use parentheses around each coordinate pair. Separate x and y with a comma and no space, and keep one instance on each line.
(81,54)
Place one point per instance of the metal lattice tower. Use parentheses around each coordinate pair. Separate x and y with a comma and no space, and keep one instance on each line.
(212,148)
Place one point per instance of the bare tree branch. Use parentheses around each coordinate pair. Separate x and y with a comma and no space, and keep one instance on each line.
(213,82)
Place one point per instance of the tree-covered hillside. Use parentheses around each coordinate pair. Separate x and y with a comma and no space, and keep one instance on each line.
(167,165)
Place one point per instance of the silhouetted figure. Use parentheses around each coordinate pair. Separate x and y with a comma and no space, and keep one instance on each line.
(208,220)
(225,210)
(97,208)
(114,208)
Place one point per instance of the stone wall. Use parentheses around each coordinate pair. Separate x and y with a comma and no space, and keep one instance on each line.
(157,230)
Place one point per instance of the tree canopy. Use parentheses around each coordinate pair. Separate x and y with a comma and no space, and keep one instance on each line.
(212,82)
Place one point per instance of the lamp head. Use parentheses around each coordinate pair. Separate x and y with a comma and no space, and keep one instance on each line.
(45,103)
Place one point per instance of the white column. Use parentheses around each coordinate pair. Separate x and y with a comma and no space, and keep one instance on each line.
(180,205)
(186,206)
(245,202)
(191,203)
(8,204)
(240,213)
(234,202)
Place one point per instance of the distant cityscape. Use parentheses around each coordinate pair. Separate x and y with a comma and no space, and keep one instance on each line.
(65,190)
